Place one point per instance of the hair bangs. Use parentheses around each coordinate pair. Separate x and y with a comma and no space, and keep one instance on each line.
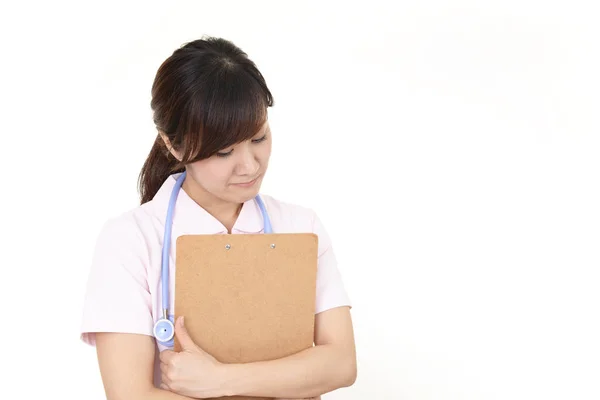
(232,110)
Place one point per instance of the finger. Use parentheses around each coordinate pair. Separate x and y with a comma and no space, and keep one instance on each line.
(183,336)
(164,368)
(166,355)
(164,379)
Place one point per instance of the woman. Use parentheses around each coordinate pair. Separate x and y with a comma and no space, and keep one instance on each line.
(210,109)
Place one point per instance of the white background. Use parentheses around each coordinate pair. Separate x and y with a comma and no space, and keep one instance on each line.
(451,149)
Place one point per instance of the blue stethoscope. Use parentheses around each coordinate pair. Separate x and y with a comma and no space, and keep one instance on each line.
(164,328)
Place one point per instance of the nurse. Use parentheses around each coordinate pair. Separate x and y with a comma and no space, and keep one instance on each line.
(210,107)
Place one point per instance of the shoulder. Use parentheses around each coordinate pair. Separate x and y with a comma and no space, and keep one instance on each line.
(288,215)
(130,221)
(128,231)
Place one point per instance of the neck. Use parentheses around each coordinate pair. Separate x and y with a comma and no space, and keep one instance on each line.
(225,212)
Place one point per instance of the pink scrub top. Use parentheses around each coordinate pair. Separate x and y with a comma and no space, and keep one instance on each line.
(124,286)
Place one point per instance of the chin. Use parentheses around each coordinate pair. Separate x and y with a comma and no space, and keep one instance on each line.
(250,195)
(241,195)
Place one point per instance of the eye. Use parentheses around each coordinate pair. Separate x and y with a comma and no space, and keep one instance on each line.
(260,139)
(226,154)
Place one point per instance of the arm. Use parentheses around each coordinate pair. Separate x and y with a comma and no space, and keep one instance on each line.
(329,365)
(126,364)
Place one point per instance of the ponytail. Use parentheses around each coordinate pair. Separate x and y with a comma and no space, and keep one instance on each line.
(159,165)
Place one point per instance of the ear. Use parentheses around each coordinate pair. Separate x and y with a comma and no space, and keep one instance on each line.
(168,145)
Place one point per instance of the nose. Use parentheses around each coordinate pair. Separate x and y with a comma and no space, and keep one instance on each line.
(248,163)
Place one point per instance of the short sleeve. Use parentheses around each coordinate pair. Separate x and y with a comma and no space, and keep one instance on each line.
(331,292)
(117,297)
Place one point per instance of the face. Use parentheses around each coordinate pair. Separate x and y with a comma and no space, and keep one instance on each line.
(234,174)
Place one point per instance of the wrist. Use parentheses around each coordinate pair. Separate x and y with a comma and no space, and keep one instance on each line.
(231,379)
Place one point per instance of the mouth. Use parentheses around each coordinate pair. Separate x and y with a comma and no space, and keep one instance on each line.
(247,184)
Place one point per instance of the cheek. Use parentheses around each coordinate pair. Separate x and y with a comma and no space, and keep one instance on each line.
(215,174)
(209,174)
(264,153)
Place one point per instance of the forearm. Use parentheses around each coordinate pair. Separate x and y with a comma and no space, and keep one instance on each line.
(160,394)
(309,373)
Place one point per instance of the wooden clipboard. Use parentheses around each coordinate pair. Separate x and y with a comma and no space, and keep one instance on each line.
(247,297)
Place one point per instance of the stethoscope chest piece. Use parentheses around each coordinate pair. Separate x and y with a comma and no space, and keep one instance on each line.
(164,330)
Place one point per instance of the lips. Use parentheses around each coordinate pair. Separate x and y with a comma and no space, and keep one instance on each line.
(247,183)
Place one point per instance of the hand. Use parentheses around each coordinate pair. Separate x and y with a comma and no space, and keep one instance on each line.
(191,372)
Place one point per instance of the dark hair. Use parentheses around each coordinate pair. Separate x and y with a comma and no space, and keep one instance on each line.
(208,95)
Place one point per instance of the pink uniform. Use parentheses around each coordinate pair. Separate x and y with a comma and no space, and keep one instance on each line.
(124,288)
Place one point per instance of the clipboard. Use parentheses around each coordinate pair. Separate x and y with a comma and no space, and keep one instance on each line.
(247,297)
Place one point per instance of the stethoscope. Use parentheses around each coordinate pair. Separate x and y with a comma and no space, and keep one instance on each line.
(164,328)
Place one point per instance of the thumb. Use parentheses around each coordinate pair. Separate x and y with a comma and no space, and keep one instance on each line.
(183,336)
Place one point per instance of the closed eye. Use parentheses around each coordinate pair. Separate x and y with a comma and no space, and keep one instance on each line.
(225,154)
(261,139)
